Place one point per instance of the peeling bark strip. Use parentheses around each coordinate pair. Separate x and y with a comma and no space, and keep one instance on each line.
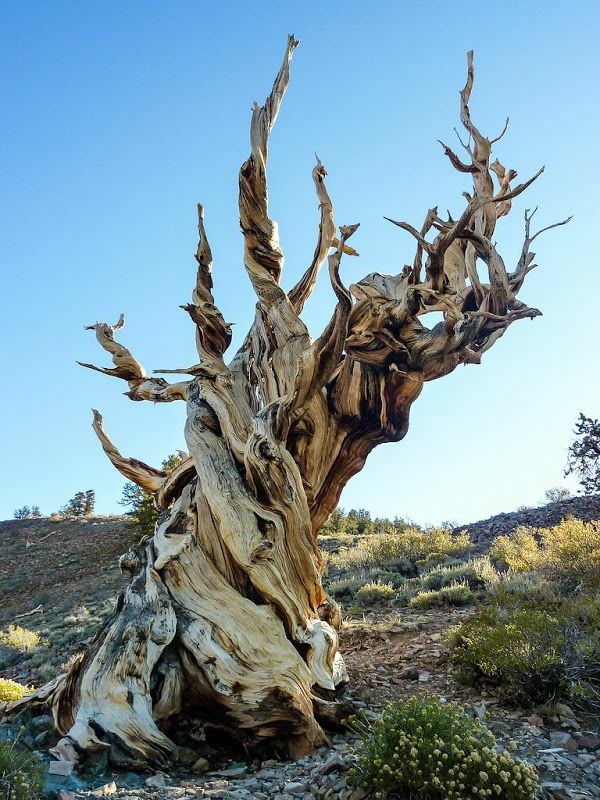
(225,615)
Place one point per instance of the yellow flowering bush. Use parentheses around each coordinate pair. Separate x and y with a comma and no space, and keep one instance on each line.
(572,550)
(429,750)
(18,638)
(518,551)
(11,690)
(21,773)
(569,552)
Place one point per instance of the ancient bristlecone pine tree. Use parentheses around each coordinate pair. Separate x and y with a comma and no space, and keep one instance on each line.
(225,617)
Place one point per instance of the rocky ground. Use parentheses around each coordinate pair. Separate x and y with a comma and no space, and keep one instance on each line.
(390,655)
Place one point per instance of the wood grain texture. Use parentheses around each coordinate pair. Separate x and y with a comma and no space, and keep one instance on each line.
(225,616)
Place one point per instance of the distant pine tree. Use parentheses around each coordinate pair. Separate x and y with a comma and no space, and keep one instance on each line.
(27,512)
(584,454)
(142,511)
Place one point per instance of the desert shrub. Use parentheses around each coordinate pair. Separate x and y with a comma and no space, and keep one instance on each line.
(511,587)
(431,561)
(475,573)
(408,545)
(533,655)
(21,773)
(456,594)
(518,551)
(571,550)
(374,593)
(347,586)
(47,671)
(428,750)
(11,690)
(18,638)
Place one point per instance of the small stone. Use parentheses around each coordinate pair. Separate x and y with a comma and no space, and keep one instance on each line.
(105,790)
(63,794)
(61,767)
(424,677)
(333,763)
(410,674)
(563,710)
(536,720)
(43,721)
(552,786)
(563,739)
(589,742)
(201,765)
(156,781)
(295,786)
(233,772)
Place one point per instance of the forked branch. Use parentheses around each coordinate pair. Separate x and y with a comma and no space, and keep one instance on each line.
(129,369)
(262,254)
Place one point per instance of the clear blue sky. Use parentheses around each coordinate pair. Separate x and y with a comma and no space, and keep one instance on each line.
(119,116)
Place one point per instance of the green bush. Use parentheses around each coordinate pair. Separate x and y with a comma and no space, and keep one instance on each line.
(533,655)
(11,690)
(374,593)
(17,638)
(21,773)
(456,594)
(427,750)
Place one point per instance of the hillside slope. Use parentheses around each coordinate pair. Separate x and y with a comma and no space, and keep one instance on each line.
(70,569)
(59,564)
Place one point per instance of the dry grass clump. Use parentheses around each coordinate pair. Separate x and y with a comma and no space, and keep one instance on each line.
(21,773)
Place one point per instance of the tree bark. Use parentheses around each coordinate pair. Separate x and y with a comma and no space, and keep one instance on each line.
(225,616)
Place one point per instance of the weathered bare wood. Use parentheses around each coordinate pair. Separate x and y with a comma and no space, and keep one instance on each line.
(225,616)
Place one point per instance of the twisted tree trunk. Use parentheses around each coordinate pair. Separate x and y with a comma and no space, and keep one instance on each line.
(225,615)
